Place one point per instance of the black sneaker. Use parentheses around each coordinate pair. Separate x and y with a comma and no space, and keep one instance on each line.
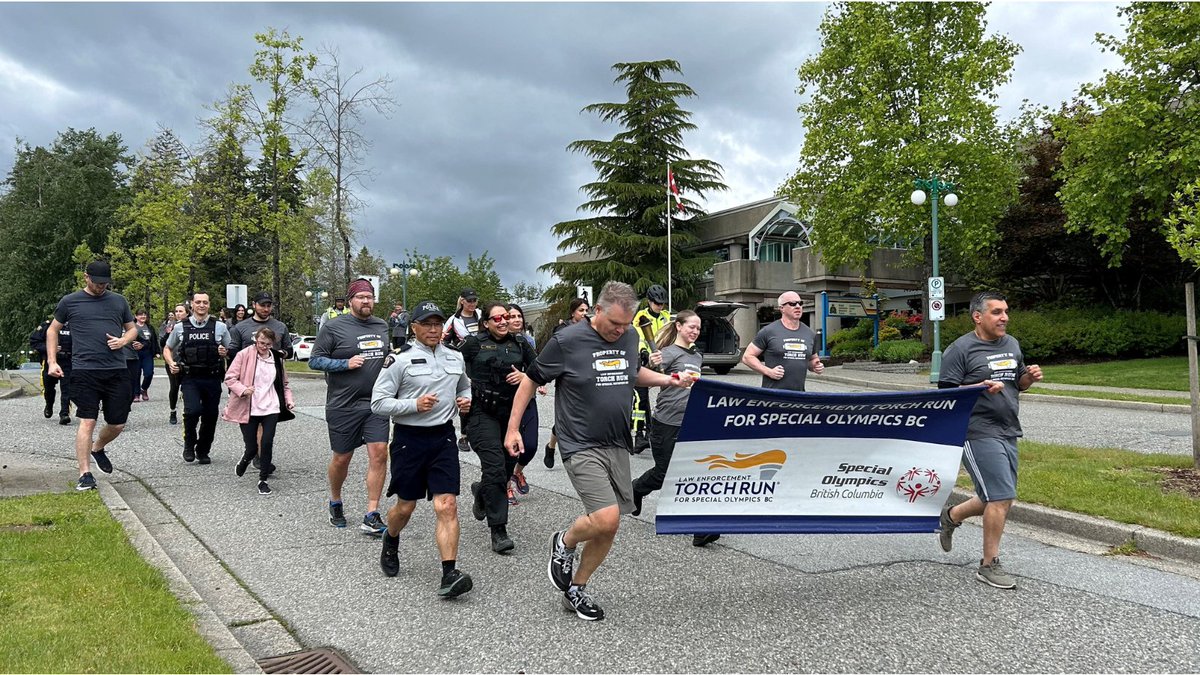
(102,462)
(373,525)
(189,455)
(701,540)
(389,560)
(463,444)
(203,459)
(174,418)
(64,419)
(561,567)
(337,517)
(86,482)
(478,508)
(580,601)
(240,469)
(548,460)
(454,584)
(501,542)
(263,488)
(256,464)
(637,503)
(48,411)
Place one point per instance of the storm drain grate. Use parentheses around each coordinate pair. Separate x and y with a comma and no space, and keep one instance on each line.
(308,661)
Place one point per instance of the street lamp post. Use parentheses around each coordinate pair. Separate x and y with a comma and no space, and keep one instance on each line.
(316,295)
(934,186)
(404,270)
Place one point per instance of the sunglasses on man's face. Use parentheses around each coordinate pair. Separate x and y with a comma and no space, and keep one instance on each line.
(793,303)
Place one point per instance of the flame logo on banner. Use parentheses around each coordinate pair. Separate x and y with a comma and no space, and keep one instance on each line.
(770,462)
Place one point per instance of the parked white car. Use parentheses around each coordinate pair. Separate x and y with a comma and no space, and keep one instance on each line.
(302,347)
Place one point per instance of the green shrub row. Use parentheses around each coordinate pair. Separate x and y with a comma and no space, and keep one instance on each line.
(898,351)
(1068,334)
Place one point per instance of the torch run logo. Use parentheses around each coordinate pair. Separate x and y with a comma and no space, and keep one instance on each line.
(918,483)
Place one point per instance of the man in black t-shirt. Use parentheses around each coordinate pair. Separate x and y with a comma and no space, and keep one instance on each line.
(101,327)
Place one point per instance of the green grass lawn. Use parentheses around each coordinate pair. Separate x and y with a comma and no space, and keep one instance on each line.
(1115,484)
(298,367)
(1109,395)
(75,596)
(1168,372)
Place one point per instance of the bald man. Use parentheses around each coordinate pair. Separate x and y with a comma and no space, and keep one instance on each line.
(784,351)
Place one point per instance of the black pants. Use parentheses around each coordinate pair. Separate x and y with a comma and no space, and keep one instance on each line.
(662,445)
(486,434)
(201,405)
(250,437)
(49,383)
(643,404)
(173,396)
(134,366)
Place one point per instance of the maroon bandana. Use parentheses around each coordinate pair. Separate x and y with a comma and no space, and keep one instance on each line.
(359,286)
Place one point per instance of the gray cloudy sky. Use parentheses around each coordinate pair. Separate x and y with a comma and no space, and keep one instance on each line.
(489,95)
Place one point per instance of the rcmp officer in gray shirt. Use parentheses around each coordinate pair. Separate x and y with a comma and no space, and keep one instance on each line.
(421,387)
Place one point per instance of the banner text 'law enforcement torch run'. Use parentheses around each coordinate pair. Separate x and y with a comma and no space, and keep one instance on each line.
(751,460)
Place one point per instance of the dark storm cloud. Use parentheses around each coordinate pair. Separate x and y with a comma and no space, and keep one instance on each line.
(489,95)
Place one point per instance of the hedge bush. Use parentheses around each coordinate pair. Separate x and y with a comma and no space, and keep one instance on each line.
(855,348)
(898,351)
(1070,334)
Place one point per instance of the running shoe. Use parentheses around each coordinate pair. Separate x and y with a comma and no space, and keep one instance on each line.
(145,396)
(203,459)
(548,460)
(522,484)
(576,599)
(512,497)
(463,444)
(389,559)
(189,454)
(994,575)
(263,488)
(48,411)
(337,517)
(174,418)
(561,567)
(102,462)
(240,469)
(64,419)
(86,482)
(946,527)
(373,525)
(702,540)
(454,583)
(501,542)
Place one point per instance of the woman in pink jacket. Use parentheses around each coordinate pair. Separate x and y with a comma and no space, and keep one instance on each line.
(259,398)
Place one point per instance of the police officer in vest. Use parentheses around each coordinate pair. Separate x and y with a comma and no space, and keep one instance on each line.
(339,308)
(496,362)
(647,323)
(197,349)
(37,342)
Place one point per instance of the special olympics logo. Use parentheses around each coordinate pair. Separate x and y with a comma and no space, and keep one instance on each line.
(918,483)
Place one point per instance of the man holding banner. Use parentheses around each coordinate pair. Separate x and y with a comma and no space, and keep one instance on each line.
(595,368)
(784,351)
(991,357)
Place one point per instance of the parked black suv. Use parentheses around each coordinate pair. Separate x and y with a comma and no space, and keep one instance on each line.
(718,340)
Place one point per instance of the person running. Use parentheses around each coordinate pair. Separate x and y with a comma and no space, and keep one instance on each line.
(146,347)
(647,322)
(177,316)
(259,398)
(785,350)
(37,342)
(594,367)
(196,349)
(421,387)
(676,353)
(496,361)
(350,351)
(464,323)
(529,421)
(576,312)
(101,326)
(992,357)
(242,335)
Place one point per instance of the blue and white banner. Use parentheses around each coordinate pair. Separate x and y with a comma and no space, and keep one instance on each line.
(752,460)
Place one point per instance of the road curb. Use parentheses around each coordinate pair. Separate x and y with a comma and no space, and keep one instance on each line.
(1047,398)
(208,624)
(1101,530)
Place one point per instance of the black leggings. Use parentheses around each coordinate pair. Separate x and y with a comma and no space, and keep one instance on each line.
(662,445)
(173,378)
(250,437)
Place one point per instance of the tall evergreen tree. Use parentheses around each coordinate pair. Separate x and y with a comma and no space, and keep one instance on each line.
(626,239)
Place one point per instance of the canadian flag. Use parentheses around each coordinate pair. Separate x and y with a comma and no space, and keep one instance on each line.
(674,188)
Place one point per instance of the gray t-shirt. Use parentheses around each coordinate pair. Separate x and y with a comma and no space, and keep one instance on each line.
(93,318)
(341,339)
(788,348)
(971,360)
(672,401)
(593,394)
(242,333)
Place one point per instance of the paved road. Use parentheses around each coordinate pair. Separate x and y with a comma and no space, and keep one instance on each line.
(748,604)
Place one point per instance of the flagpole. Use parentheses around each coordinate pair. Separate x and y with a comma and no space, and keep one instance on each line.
(670,299)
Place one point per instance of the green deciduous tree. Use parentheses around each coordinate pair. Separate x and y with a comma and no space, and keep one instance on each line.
(1131,162)
(441,279)
(626,239)
(902,91)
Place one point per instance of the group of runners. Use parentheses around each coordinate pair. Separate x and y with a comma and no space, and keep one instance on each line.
(481,365)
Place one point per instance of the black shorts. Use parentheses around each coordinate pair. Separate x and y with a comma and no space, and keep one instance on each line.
(424,462)
(349,429)
(110,389)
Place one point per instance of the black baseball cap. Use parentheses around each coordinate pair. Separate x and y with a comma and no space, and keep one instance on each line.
(263,298)
(468,294)
(100,272)
(427,309)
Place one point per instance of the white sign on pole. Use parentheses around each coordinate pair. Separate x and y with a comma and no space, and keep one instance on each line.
(235,294)
(374,279)
(937,309)
(585,292)
(937,287)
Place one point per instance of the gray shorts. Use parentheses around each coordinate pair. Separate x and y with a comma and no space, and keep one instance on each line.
(349,429)
(601,478)
(992,464)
